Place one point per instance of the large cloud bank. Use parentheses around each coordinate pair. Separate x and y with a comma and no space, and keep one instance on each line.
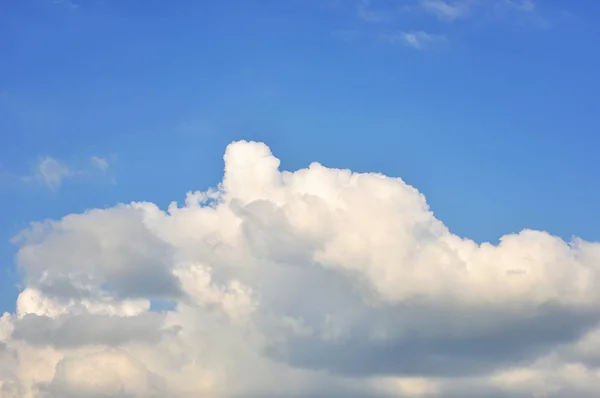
(314,283)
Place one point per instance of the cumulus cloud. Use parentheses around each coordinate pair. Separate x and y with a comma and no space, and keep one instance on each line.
(109,373)
(317,282)
(70,330)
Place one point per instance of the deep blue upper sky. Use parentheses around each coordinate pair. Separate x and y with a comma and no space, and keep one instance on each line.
(491,112)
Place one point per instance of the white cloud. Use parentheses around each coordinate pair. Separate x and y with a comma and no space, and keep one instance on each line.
(415,39)
(52,172)
(451,10)
(368,13)
(444,9)
(318,282)
(385,15)
(99,163)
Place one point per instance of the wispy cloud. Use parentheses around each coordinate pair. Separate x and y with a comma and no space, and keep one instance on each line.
(99,163)
(525,13)
(51,172)
(415,39)
(444,9)
(367,12)
(383,15)
(451,10)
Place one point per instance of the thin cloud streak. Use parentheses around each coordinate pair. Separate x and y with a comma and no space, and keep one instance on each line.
(418,40)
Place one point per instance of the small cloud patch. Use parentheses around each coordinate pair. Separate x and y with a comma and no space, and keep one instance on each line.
(100,163)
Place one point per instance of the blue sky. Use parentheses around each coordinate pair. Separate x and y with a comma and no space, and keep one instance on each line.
(489,110)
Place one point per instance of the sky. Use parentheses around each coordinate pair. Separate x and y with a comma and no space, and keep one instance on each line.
(299,198)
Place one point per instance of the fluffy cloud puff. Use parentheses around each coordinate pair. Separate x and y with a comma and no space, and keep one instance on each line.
(313,283)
